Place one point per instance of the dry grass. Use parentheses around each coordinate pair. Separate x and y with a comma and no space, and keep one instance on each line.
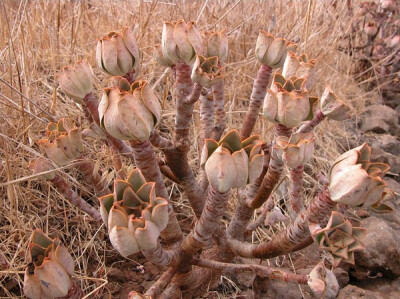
(40,37)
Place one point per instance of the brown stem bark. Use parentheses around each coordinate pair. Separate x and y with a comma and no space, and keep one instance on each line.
(261,218)
(184,110)
(206,115)
(261,271)
(273,174)
(93,179)
(310,125)
(219,110)
(161,257)
(256,100)
(296,233)
(296,189)
(204,228)
(161,283)
(146,161)
(74,198)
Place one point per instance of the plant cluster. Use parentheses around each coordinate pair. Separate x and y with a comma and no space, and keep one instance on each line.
(138,212)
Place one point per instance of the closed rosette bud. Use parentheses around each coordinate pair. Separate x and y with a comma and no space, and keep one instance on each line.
(161,59)
(323,282)
(296,150)
(354,180)
(49,273)
(300,67)
(117,54)
(340,238)
(181,41)
(287,102)
(133,214)
(62,145)
(232,163)
(216,44)
(370,29)
(271,50)
(206,71)
(129,115)
(77,81)
(332,107)
(42,165)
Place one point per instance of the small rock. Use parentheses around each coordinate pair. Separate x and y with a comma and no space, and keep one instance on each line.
(382,247)
(342,277)
(115,274)
(379,119)
(394,162)
(386,142)
(354,292)
(393,184)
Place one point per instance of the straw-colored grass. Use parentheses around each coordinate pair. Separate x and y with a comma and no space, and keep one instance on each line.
(38,38)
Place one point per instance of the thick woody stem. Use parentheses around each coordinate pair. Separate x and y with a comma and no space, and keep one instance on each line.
(273,174)
(202,232)
(310,125)
(161,257)
(161,283)
(296,190)
(146,161)
(92,104)
(74,198)
(159,141)
(75,292)
(117,162)
(219,110)
(261,271)
(206,114)
(184,110)
(269,205)
(210,218)
(172,291)
(93,179)
(256,100)
(295,234)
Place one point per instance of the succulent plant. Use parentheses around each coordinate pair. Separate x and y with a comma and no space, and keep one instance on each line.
(62,145)
(49,273)
(332,107)
(206,71)
(181,42)
(130,115)
(231,163)
(117,53)
(300,67)
(76,81)
(354,180)
(287,102)
(340,238)
(271,50)
(216,44)
(296,150)
(133,214)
